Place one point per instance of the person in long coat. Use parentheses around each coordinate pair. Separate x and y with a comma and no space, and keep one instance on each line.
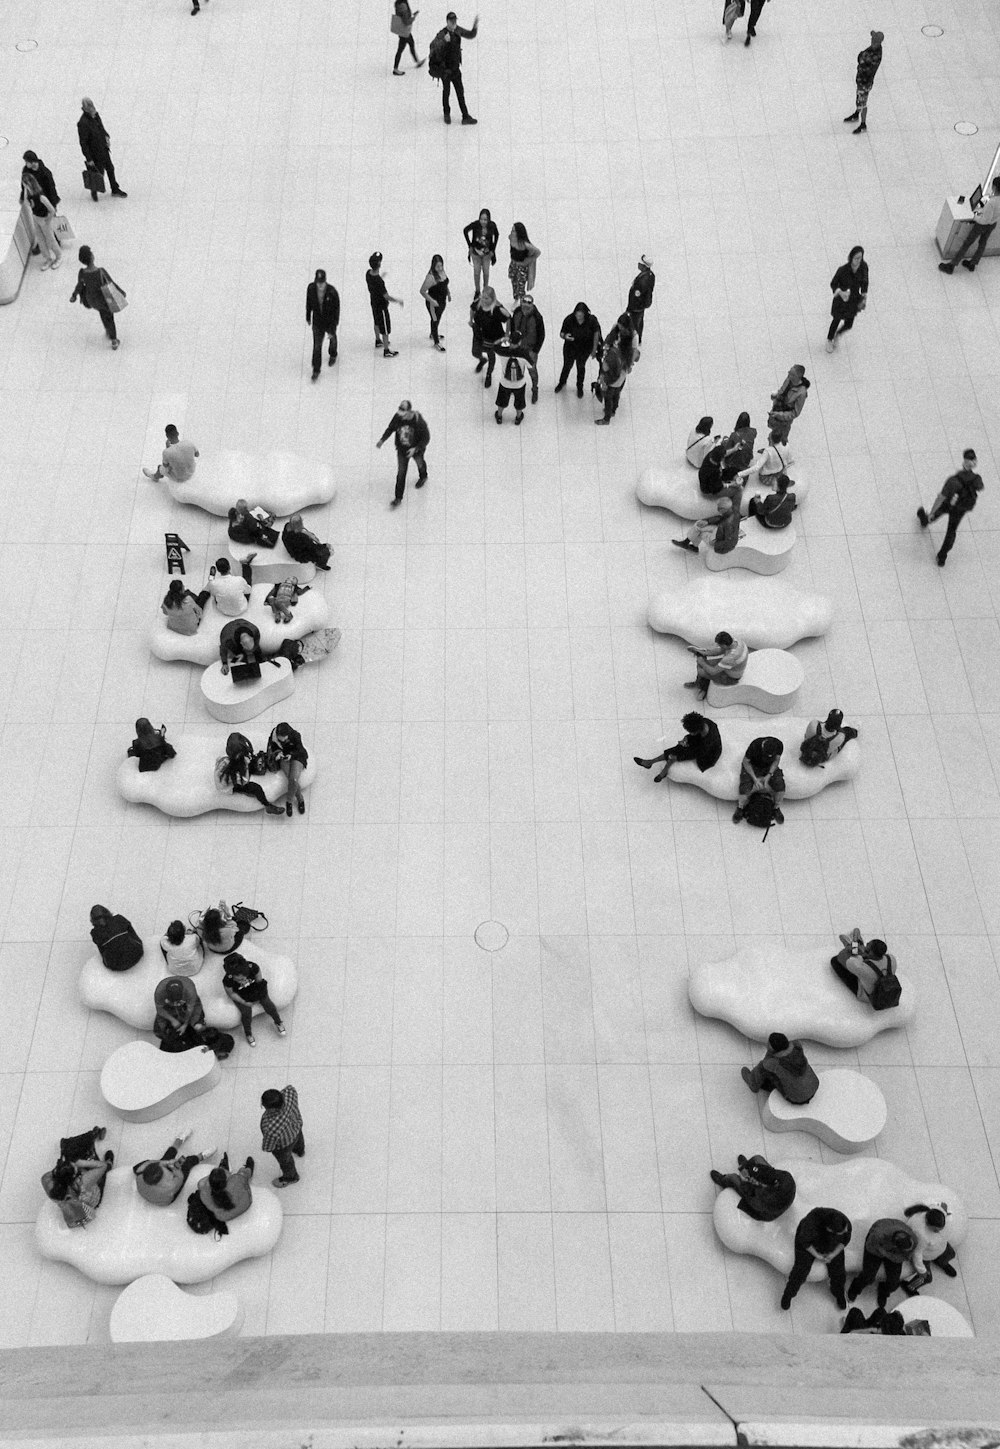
(94,143)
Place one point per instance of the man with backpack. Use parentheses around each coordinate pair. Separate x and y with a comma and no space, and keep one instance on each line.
(824,739)
(957,498)
(444,63)
(762,784)
(867,969)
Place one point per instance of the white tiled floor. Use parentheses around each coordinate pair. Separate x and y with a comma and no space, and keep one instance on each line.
(522,1141)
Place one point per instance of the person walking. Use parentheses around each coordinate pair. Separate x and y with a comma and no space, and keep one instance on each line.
(581,340)
(869,61)
(436,295)
(450,66)
(756,6)
(849,285)
(196,6)
(402,25)
(983,224)
(90,283)
(281,1132)
(481,238)
(523,258)
(640,295)
(957,498)
(323,316)
(527,332)
(43,215)
(379,296)
(610,382)
(411,435)
(488,319)
(94,141)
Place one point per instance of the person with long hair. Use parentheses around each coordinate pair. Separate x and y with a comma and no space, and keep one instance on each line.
(488,319)
(402,26)
(150,746)
(182,608)
(849,285)
(233,771)
(286,752)
(523,259)
(481,238)
(219,929)
(436,295)
(43,214)
(227,1194)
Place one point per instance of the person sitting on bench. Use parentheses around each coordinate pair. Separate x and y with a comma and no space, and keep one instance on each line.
(702,744)
(862,965)
(303,546)
(723,528)
(765,1192)
(725,664)
(701,441)
(783,1069)
(774,510)
(245,526)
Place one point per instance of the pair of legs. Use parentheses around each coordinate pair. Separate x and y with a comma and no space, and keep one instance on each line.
(454,79)
(108,318)
(506,395)
(293,771)
(487,359)
(518,274)
(186,1163)
(255,792)
(860,112)
(383,328)
(955,516)
(480,272)
(186,1041)
(246,1017)
(611,397)
(841,322)
(402,464)
(571,359)
(870,1265)
(978,237)
(319,332)
(405,41)
(801,1268)
(669,757)
(286,1161)
(847,977)
(435,314)
(107,166)
(707,672)
(83,1146)
(47,241)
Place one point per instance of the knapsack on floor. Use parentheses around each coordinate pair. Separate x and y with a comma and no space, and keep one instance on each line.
(759,810)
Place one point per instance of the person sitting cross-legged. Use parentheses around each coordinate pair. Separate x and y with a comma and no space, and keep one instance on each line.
(160,1180)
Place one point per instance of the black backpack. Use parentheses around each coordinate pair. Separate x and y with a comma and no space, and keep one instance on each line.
(201,1220)
(437,53)
(886,992)
(760,810)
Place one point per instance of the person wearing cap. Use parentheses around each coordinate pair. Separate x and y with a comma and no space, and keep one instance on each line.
(957,498)
(869,61)
(640,295)
(323,315)
(451,67)
(94,145)
(581,339)
(783,1069)
(411,435)
(986,217)
(527,332)
(379,296)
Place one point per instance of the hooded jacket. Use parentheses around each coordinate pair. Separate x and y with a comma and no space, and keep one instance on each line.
(797,1082)
(581,338)
(791,396)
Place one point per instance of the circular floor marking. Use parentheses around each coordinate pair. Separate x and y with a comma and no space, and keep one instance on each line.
(966,128)
(933,31)
(3,142)
(23,45)
(491,936)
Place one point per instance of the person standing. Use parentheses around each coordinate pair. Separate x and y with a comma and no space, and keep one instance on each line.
(177,462)
(869,61)
(581,339)
(436,295)
(411,435)
(889,1243)
(323,316)
(281,1132)
(451,66)
(511,388)
(481,237)
(527,333)
(90,281)
(94,145)
(640,296)
(402,25)
(957,498)
(610,382)
(488,319)
(849,285)
(43,215)
(756,6)
(821,1237)
(786,404)
(983,223)
(380,299)
(35,167)
(523,257)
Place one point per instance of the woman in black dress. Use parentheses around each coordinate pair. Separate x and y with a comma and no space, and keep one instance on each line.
(436,297)
(849,286)
(488,319)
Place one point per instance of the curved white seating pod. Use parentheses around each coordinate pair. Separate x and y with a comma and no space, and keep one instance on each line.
(271,565)
(311,612)
(153,1309)
(763,612)
(770,683)
(283,483)
(185,785)
(944,1320)
(142,1083)
(129,994)
(847,1113)
(759,550)
(675,487)
(236,703)
(722,781)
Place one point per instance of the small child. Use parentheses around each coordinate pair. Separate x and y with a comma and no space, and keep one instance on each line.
(283,597)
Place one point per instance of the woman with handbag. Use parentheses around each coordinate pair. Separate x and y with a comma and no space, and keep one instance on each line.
(99,293)
(401,24)
(849,285)
(233,771)
(43,214)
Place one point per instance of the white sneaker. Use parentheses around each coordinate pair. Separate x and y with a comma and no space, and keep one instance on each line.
(44,266)
(150,473)
(183,1133)
(208,1154)
(57,263)
(830,344)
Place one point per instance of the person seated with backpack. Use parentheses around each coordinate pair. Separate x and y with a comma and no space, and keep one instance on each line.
(234,769)
(150,746)
(303,546)
(183,609)
(160,1180)
(820,1237)
(775,509)
(701,441)
(76,1186)
(245,527)
(765,1192)
(867,969)
(702,744)
(180,1017)
(118,942)
(182,950)
(930,1227)
(721,531)
(823,740)
(762,784)
(783,1069)
(724,664)
(220,930)
(226,1195)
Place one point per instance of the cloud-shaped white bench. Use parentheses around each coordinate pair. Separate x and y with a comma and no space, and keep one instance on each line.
(864,1189)
(722,781)
(944,1320)
(271,565)
(283,483)
(186,785)
(129,994)
(676,489)
(771,988)
(847,1111)
(142,1083)
(770,683)
(236,703)
(759,550)
(153,1310)
(763,612)
(311,612)
(130,1237)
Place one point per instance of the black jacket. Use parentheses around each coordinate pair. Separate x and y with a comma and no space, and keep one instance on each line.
(329,313)
(707,747)
(846,280)
(453,41)
(471,234)
(93,140)
(420,432)
(527,330)
(45,180)
(584,338)
(640,294)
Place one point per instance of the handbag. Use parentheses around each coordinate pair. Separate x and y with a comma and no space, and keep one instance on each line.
(62,230)
(399,26)
(114,298)
(93,179)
